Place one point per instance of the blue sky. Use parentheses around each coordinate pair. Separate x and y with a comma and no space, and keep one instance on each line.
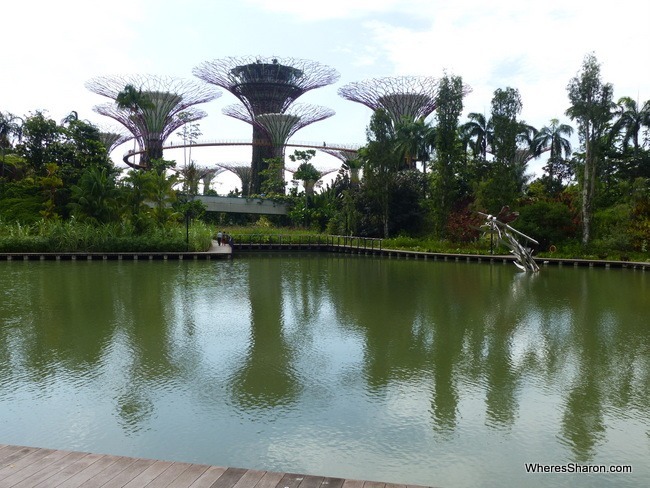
(52,48)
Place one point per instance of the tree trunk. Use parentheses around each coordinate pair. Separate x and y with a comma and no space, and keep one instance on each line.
(588,186)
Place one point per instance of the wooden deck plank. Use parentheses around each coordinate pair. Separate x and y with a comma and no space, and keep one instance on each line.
(49,470)
(69,470)
(83,477)
(208,478)
(169,476)
(14,453)
(291,480)
(311,482)
(250,478)
(189,476)
(128,473)
(353,484)
(374,484)
(332,483)
(149,474)
(20,460)
(103,477)
(27,467)
(269,480)
(229,478)
(34,468)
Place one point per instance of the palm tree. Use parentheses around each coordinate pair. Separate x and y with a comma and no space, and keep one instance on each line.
(10,127)
(10,130)
(630,121)
(412,141)
(95,197)
(133,100)
(555,138)
(478,134)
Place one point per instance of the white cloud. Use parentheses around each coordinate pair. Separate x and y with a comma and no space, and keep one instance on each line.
(533,46)
(339,9)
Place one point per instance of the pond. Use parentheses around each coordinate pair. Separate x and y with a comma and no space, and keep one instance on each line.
(437,373)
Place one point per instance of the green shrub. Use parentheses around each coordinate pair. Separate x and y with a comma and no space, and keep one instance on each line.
(549,223)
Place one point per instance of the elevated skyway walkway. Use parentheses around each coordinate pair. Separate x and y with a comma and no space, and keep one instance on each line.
(241,205)
(247,142)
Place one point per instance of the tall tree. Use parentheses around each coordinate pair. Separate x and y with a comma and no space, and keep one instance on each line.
(591,104)
(447,145)
(381,162)
(506,173)
(506,107)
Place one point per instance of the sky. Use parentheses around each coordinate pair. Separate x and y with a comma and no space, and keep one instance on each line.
(52,48)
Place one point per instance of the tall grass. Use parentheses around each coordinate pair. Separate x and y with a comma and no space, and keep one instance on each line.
(74,236)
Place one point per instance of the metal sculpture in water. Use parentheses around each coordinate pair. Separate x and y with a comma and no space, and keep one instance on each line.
(499,225)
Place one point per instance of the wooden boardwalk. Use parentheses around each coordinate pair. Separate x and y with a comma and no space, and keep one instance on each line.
(23,467)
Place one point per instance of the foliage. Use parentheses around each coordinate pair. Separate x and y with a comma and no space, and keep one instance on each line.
(591,104)
(75,236)
(95,198)
(273,183)
(548,222)
(445,185)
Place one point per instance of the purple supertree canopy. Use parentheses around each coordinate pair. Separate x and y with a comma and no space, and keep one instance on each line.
(281,126)
(411,97)
(266,84)
(164,105)
(189,91)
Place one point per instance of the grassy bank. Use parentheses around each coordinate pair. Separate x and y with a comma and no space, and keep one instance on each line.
(74,236)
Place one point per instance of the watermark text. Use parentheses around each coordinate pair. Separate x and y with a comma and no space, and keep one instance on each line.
(538,468)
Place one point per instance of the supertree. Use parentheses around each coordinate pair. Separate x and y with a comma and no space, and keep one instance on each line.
(243,172)
(112,139)
(351,163)
(265,85)
(402,97)
(158,106)
(279,127)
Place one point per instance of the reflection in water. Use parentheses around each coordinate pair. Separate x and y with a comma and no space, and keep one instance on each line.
(266,378)
(399,370)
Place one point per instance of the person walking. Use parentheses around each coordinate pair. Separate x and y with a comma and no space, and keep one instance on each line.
(219,238)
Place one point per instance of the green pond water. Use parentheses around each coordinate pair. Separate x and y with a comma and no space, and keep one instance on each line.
(437,373)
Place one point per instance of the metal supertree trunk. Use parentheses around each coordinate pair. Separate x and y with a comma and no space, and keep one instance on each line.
(411,97)
(171,106)
(265,85)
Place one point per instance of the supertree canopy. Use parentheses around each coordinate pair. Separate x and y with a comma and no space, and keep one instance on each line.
(159,106)
(112,139)
(411,97)
(265,85)
(279,127)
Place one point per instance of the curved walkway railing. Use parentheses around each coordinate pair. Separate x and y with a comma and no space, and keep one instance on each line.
(248,142)
(289,240)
